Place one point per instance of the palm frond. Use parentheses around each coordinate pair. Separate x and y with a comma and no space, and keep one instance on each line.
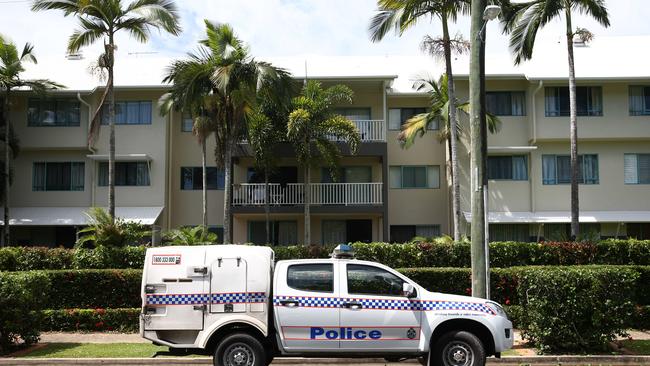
(68,6)
(158,13)
(83,37)
(594,8)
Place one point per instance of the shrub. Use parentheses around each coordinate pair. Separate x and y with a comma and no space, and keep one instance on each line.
(91,320)
(568,309)
(109,257)
(106,231)
(196,235)
(20,303)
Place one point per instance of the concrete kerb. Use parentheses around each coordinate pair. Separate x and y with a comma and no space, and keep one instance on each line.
(178,361)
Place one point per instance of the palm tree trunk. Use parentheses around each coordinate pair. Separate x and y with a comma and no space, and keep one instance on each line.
(227,235)
(111,116)
(575,207)
(205,187)
(267,207)
(453,122)
(6,236)
(307,194)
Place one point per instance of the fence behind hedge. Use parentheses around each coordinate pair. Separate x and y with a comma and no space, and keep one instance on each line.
(502,254)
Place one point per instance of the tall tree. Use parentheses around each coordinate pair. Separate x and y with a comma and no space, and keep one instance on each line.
(313,123)
(401,15)
(103,19)
(223,71)
(523,21)
(11,67)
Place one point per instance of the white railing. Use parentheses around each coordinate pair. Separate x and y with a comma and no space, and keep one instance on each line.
(254,194)
(370,130)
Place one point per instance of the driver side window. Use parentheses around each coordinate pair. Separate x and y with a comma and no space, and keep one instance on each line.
(369,280)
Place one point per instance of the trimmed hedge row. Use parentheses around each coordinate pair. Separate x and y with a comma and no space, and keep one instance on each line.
(502,254)
(90,289)
(91,320)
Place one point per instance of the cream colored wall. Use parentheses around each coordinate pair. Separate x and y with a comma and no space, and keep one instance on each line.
(615,123)
(417,206)
(73,137)
(366,94)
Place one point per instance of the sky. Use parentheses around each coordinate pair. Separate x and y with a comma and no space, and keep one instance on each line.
(292,28)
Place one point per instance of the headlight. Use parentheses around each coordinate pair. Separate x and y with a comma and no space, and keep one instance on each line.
(496,308)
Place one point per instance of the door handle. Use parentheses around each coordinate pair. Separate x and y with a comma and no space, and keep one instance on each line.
(289,303)
(352,305)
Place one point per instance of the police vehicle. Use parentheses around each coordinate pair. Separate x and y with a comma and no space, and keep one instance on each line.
(234,302)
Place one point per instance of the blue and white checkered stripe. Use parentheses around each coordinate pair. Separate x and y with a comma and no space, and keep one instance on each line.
(218,298)
(386,304)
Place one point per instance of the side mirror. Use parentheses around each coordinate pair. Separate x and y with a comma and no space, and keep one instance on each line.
(408,290)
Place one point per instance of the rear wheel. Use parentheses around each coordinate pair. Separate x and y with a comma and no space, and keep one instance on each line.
(240,349)
(458,348)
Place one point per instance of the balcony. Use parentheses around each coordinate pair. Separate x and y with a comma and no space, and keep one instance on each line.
(371,130)
(292,194)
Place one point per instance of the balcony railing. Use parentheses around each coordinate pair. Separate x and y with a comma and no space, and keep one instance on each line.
(370,130)
(291,194)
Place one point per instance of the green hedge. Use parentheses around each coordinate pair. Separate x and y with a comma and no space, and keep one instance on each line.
(91,320)
(502,254)
(21,296)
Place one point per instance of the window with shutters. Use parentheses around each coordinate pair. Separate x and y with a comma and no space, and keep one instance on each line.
(637,168)
(556,169)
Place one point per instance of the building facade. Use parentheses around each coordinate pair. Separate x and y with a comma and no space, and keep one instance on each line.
(385,192)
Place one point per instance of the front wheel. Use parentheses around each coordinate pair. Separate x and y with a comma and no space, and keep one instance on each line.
(458,348)
(240,349)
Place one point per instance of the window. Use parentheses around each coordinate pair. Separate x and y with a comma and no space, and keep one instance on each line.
(316,277)
(369,280)
(282,232)
(639,100)
(562,232)
(506,103)
(186,123)
(53,112)
(192,178)
(637,168)
(404,233)
(354,113)
(589,101)
(556,169)
(126,174)
(508,167)
(398,116)
(68,176)
(348,174)
(509,232)
(129,113)
(640,231)
(415,176)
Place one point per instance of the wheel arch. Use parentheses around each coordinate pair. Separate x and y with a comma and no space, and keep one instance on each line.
(477,328)
(234,326)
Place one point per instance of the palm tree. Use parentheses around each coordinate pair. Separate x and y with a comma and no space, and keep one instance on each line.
(313,123)
(523,21)
(401,15)
(223,73)
(102,19)
(11,66)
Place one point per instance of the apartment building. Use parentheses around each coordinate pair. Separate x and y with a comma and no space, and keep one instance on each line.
(385,192)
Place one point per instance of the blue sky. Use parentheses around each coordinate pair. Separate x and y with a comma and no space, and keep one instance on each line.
(292,28)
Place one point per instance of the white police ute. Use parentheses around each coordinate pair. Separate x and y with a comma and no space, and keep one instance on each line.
(234,302)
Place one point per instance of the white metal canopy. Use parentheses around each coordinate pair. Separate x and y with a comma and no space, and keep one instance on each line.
(76,216)
(564,217)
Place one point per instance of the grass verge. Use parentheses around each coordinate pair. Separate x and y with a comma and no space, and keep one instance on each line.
(94,350)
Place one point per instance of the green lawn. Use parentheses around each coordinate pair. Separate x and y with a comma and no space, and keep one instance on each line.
(95,350)
(639,347)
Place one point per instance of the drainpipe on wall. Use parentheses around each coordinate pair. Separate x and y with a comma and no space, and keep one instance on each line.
(533,143)
(92,150)
(170,164)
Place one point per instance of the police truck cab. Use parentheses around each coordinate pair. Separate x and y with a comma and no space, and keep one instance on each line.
(236,303)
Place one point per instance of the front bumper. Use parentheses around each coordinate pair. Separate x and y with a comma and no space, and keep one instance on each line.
(504,337)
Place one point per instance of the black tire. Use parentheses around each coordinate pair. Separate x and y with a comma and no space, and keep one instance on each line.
(240,349)
(458,348)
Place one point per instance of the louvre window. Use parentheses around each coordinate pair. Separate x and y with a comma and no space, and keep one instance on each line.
(59,176)
(637,168)
(192,178)
(187,123)
(126,174)
(639,100)
(556,169)
(415,176)
(129,113)
(508,167)
(53,112)
(506,103)
(589,101)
